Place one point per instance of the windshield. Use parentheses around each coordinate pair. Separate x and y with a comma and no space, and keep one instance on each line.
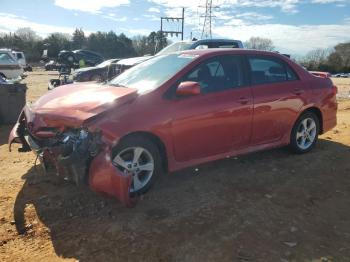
(6,58)
(175,47)
(153,72)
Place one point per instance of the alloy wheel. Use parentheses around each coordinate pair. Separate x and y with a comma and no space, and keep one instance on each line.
(306,133)
(139,162)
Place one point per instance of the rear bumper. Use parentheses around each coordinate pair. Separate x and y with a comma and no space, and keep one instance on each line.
(329,124)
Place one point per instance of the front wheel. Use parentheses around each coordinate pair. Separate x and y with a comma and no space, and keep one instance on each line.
(141,158)
(305,133)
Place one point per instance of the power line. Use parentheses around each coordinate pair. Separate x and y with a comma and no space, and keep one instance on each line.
(206,31)
(174,19)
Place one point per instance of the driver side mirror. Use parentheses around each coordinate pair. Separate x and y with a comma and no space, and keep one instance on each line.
(188,88)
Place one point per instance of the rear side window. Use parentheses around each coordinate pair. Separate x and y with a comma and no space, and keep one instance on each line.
(269,70)
(19,56)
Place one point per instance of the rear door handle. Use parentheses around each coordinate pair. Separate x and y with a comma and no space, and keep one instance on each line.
(243,100)
(298,91)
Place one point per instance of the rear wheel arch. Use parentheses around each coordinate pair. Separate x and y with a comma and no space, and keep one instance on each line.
(155,140)
(317,112)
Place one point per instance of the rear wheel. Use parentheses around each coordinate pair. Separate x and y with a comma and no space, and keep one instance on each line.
(305,133)
(139,157)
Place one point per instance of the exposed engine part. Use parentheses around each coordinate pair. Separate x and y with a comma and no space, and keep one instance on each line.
(69,152)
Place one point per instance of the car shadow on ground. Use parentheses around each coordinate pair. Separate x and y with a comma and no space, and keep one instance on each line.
(260,207)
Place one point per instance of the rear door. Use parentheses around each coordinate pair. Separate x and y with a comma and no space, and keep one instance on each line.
(278,96)
(217,120)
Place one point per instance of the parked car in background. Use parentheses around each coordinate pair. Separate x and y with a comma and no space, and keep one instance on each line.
(22,60)
(52,65)
(174,111)
(124,64)
(200,44)
(343,75)
(127,63)
(72,58)
(321,74)
(101,72)
(9,66)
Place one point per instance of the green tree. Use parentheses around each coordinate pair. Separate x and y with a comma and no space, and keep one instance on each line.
(57,42)
(78,39)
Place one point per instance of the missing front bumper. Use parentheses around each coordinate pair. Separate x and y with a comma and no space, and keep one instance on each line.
(94,164)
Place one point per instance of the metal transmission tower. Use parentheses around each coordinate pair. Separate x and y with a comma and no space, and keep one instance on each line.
(206,32)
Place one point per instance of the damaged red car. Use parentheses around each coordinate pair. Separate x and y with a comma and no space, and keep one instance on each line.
(175,111)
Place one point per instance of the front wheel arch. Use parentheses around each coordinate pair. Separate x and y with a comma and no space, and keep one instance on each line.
(155,140)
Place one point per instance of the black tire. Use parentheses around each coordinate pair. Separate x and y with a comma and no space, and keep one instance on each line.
(139,141)
(294,145)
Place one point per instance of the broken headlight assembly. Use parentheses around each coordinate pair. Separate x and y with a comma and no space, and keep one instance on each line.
(73,152)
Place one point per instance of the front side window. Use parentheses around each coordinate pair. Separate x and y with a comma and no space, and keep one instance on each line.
(217,74)
(269,70)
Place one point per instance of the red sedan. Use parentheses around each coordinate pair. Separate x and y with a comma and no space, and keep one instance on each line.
(175,111)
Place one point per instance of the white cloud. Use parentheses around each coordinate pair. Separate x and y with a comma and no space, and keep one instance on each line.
(92,6)
(254,16)
(10,23)
(327,1)
(290,38)
(153,10)
(113,17)
(152,17)
(140,31)
(288,6)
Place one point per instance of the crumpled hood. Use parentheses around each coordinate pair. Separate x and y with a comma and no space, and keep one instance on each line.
(71,105)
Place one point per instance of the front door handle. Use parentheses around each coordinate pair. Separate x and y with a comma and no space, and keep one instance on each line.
(298,91)
(243,100)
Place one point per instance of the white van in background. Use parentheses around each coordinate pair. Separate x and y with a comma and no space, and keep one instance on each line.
(9,66)
(20,58)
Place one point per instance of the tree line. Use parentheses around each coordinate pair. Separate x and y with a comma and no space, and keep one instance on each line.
(108,44)
(333,60)
(112,45)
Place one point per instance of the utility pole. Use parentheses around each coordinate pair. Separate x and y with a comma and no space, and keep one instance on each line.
(176,19)
(206,31)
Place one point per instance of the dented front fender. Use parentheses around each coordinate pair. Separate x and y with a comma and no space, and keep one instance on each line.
(106,178)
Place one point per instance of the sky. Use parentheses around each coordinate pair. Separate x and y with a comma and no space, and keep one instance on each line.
(294,26)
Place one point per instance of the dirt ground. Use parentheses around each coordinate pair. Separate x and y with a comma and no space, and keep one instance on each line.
(266,206)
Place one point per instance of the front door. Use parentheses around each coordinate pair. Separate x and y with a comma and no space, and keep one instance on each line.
(217,120)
